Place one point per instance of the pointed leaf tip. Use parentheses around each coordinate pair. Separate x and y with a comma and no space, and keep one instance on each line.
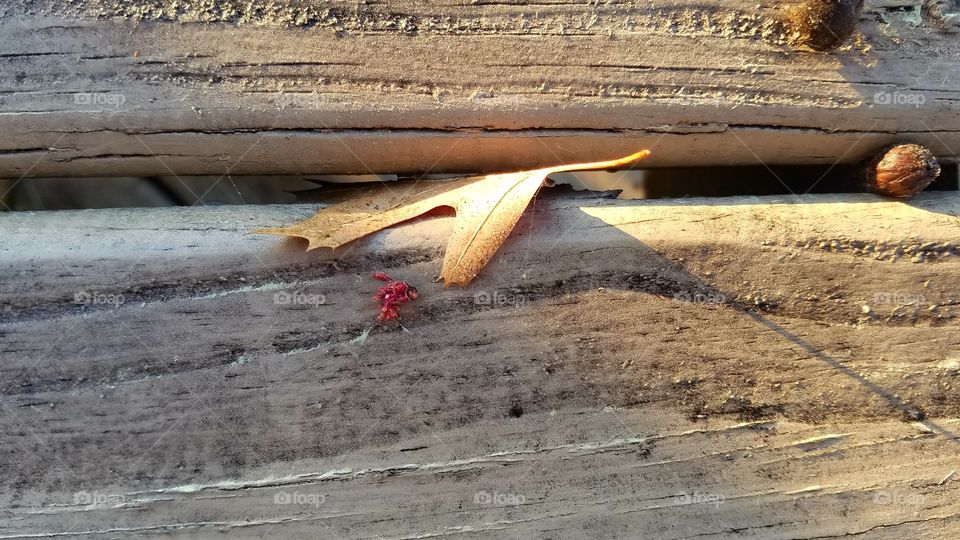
(642,154)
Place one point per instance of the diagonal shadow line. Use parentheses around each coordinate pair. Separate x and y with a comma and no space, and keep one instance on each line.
(684,278)
(815,352)
(885,394)
(566,230)
(812,350)
(632,166)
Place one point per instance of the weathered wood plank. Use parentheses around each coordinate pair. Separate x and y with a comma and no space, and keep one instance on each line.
(122,88)
(615,387)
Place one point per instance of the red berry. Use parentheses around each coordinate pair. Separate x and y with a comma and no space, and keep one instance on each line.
(391,295)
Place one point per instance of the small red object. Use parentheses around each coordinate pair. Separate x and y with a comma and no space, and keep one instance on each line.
(391,295)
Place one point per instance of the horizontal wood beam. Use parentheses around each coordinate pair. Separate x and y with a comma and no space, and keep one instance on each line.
(122,89)
(162,371)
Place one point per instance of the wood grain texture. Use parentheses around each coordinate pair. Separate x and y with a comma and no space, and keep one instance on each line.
(121,87)
(744,367)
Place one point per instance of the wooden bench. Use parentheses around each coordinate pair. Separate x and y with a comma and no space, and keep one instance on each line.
(771,367)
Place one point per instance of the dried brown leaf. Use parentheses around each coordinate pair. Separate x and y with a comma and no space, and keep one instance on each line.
(487,208)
